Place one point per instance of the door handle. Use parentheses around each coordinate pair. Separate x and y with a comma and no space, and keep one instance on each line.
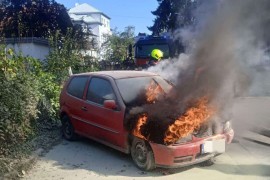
(84,108)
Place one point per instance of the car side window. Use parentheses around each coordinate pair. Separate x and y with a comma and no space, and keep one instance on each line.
(100,90)
(76,86)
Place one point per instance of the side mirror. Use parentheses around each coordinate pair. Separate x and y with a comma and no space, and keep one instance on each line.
(110,104)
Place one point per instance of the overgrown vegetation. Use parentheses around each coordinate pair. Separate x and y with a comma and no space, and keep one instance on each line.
(27,95)
(68,52)
(32,18)
(115,48)
(30,89)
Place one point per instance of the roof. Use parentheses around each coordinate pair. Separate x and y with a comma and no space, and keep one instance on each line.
(119,74)
(85,9)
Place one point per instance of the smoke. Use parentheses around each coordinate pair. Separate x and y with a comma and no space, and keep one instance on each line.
(229,40)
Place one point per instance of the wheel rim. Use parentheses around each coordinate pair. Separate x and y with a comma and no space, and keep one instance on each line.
(140,153)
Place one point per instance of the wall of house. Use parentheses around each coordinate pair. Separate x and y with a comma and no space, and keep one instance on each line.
(34,50)
(99,30)
(96,16)
(104,28)
(106,23)
(95,29)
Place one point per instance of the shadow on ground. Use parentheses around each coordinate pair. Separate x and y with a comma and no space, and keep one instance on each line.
(104,161)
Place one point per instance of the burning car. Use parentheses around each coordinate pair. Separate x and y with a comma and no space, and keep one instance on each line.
(135,112)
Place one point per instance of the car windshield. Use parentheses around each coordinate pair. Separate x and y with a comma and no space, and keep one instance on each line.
(134,90)
(146,49)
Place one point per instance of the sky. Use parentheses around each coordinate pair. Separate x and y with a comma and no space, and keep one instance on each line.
(123,13)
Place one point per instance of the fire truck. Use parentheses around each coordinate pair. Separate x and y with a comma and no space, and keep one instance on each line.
(143,47)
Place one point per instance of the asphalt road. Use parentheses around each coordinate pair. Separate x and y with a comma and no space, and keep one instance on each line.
(248,157)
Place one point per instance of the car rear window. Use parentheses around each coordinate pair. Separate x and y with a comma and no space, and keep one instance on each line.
(76,86)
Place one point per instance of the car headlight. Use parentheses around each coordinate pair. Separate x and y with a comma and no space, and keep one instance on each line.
(227,126)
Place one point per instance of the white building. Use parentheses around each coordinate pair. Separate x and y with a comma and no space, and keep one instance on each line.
(94,20)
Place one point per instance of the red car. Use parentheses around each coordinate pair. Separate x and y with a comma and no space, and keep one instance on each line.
(95,105)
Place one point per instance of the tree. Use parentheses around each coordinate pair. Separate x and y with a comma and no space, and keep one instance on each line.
(32,18)
(116,46)
(85,40)
(173,14)
(64,53)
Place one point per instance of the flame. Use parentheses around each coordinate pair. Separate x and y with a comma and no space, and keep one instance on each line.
(152,92)
(137,130)
(190,121)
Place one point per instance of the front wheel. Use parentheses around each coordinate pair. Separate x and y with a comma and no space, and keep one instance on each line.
(142,154)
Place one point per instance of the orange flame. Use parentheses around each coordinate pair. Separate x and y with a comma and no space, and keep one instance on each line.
(193,118)
(152,92)
(137,130)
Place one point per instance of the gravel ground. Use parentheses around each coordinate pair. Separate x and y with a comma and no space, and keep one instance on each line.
(17,163)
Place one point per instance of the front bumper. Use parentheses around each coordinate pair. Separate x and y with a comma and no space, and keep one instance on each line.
(180,155)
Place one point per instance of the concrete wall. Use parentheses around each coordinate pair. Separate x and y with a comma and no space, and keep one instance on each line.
(31,49)
(29,46)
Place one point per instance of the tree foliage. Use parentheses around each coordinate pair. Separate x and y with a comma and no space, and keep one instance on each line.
(32,18)
(68,51)
(116,46)
(64,54)
(173,14)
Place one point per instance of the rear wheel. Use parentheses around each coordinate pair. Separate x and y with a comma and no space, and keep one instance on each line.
(68,129)
(142,154)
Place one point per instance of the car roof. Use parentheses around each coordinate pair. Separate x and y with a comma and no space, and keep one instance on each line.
(119,74)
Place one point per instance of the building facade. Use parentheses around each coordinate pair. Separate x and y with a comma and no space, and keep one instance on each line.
(94,21)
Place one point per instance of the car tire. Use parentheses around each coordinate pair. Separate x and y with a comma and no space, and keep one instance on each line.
(68,129)
(142,154)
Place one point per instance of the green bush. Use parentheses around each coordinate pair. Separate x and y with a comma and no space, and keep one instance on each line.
(28,99)
(49,98)
(29,90)
(18,100)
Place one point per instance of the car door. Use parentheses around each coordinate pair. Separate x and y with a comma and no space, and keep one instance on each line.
(74,100)
(104,124)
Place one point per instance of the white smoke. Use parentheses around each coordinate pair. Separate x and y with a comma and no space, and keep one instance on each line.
(228,41)
(225,54)
(169,68)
